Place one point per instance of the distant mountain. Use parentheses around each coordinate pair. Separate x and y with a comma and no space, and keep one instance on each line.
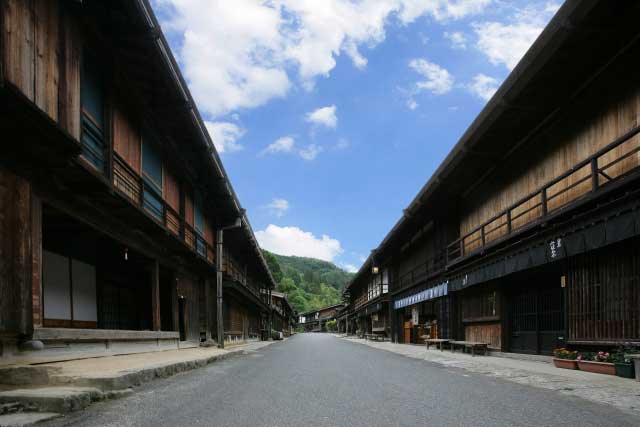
(309,283)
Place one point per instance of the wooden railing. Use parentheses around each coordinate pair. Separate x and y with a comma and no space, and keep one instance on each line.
(423,270)
(607,165)
(129,183)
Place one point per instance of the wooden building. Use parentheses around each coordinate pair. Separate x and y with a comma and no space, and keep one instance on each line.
(316,320)
(367,297)
(284,316)
(527,236)
(111,191)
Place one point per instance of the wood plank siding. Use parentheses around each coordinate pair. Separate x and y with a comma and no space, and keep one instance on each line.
(188,289)
(41,57)
(557,151)
(126,138)
(603,295)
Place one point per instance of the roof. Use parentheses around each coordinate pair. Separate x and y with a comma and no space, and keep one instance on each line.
(163,49)
(576,45)
(321,309)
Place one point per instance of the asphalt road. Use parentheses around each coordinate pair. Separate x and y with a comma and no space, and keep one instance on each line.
(320,380)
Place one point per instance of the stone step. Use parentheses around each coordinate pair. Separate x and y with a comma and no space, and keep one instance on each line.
(25,375)
(10,407)
(23,419)
(59,399)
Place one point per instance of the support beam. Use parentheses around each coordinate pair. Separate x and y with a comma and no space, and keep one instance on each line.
(155,295)
(16,310)
(220,320)
(209,307)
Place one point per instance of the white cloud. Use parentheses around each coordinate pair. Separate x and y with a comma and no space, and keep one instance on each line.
(506,43)
(284,144)
(436,79)
(325,116)
(278,207)
(225,135)
(294,241)
(483,86)
(412,104)
(310,152)
(350,268)
(242,53)
(457,39)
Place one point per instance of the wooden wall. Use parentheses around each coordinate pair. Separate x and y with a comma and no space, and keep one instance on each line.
(572,140)
(490,333)
(603,294)
(16,280)
(188,287)
(126,137)
(41,57)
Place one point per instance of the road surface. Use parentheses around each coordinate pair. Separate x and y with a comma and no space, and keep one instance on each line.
(321,380)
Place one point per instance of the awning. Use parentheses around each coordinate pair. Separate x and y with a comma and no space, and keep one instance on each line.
(425,295)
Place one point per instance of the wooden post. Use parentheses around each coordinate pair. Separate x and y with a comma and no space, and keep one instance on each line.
(36,260)
(16,311)
(155,295)
(208,303)
(220,320)
(594,174)
(175,311)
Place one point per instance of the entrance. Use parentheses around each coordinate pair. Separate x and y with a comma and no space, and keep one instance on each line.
(536,314)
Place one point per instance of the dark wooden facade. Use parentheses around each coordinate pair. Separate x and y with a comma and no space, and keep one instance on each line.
(531,221)
(110,187)
(316,320)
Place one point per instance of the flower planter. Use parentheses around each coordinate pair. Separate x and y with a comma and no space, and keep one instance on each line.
(625,370)
(565,363)
(635,358)
(597,367)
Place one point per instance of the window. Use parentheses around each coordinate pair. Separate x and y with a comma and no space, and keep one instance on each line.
(152,178)
(92,98)
(198,214)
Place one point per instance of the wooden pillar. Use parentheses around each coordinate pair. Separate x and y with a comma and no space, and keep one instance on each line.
(175,325)
(36,261)
(209,309)
(155,295)
(16,311)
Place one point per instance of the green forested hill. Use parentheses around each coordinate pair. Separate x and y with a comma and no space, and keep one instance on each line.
(310,283)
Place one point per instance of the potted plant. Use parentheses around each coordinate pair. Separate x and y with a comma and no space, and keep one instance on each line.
(598,363)
(624,365)
(565,359)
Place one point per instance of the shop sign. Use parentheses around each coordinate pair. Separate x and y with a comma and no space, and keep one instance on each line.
(425,295)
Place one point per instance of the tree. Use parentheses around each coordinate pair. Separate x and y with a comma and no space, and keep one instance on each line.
(274,266)
(286,285)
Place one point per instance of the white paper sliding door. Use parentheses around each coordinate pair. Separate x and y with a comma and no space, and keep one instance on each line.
(56,286)
(84,291)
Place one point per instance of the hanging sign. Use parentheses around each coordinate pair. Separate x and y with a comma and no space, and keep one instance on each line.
(425,295)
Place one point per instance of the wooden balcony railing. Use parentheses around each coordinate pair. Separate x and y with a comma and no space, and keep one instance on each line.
(423,270)
(613,162)
(129,183)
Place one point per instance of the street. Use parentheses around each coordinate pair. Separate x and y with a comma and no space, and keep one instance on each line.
(321,380)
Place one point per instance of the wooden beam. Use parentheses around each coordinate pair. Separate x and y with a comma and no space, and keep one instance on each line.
(155,295)
(15,256)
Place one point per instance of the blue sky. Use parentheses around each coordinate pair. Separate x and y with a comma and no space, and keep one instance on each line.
(329,115)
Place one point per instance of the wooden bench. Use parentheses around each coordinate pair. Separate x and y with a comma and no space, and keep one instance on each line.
(374,337)
(439,342)
(471,345)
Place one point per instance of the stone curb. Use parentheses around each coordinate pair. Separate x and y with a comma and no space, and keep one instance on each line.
(143,375)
